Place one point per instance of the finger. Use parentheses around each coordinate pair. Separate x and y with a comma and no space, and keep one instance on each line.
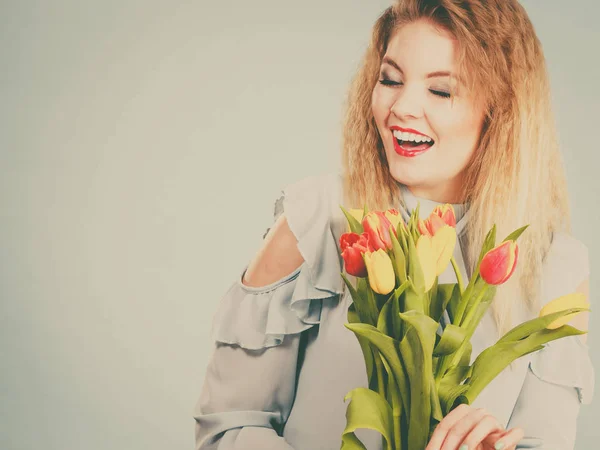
(507,441)
(442,428)
(462,428)
(487,426)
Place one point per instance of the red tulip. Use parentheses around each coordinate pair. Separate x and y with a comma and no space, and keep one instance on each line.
(499,263)
(377,227)
(353,246)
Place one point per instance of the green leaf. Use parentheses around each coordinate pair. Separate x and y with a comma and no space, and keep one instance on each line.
(388,347)
(364,344)
(415,271)
(402,231)
(515,234)
(451,340)
(432,293)
(478,307)
(456,376)
(359,300)
(384,322)
(452,304)
(496,358)
(465,357)
(417,350)
(436,408)
(534,325)
(373,308)
(355,225)
(451,386)
(397,330)
(389,321)
(367,409)
(398,259)
(488,244)
(394,400)
(413,300)
(370,307)
(441,299)
(449,394)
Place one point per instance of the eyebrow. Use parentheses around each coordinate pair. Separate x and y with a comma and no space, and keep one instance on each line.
(436,74)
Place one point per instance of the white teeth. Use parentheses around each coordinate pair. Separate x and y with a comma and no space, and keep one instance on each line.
(404,136)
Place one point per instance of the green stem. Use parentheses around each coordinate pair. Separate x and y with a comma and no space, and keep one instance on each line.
(397,431)
(379,368)
(460,309)
(461,286)
(473,309)
(471,289)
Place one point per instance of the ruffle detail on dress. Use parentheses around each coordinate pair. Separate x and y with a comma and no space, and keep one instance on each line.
(259,317)
(566,362)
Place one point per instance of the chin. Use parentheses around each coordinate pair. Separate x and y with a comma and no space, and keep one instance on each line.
(407,174)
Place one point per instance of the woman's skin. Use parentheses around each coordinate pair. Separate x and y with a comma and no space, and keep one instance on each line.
(409,97)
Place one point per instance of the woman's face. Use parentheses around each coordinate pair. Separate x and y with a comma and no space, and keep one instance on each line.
(413,94)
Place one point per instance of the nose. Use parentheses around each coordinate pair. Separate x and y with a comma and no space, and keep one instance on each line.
(407,104)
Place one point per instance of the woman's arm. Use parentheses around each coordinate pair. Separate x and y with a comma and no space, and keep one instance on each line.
(247,393)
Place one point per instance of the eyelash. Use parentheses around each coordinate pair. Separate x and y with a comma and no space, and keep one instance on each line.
(438,93)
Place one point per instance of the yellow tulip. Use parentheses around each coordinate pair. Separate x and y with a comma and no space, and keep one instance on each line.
(444,241)
(573,300)
(435,251)
(382,278)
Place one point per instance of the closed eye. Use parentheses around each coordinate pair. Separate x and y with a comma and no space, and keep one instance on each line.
(389,82)
(442,94)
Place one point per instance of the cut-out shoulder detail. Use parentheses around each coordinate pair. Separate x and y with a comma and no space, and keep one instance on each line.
(260,316)
(277,258)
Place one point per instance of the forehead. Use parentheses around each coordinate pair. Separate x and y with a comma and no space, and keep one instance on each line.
(420,46)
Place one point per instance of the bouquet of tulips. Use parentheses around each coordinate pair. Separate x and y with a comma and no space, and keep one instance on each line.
(418,371)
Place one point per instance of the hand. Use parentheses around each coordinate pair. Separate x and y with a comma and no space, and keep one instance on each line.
(468,428)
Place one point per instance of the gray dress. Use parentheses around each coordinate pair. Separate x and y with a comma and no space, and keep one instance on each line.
(283,361)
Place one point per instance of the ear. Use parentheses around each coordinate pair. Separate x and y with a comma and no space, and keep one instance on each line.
(581,320)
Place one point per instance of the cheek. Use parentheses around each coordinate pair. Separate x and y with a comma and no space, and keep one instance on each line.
(459,127)
(380,104)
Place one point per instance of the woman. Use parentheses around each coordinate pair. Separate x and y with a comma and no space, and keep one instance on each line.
(451,105)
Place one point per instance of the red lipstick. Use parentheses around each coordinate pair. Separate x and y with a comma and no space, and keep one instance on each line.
(412,150)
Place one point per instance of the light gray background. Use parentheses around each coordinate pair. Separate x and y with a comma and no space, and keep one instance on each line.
(142,146)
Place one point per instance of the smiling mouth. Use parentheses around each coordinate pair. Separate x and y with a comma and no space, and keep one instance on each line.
(410,148)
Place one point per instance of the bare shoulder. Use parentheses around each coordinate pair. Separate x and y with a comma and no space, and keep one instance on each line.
(278,256)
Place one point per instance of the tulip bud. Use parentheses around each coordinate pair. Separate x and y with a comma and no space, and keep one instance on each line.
(446,212)
(499,263)
(573,300)
(377,226)
(353,246)
(382,278)
(440,216)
